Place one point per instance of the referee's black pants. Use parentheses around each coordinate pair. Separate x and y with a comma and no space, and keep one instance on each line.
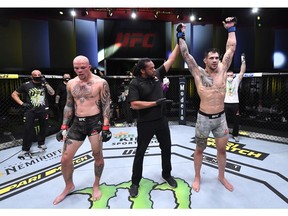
(146,131)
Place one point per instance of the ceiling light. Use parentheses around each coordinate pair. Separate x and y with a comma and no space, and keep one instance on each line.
(179,16)
(84,13)
(109,13)
(192,18)
(255,10)
(73,13)
(133,14)
(156,14)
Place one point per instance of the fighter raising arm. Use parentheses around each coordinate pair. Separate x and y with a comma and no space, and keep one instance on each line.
(193,67)
(211,87)
(230,25)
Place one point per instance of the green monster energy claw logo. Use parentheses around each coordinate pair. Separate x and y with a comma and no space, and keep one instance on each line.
(181,194)
(37,129)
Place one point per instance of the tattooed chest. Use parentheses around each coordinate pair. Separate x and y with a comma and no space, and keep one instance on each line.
(207,81)
(82,92)
(213,83)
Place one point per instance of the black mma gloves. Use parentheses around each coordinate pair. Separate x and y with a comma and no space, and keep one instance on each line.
(234,19)
(232,28)
(106,133)
(62,132)
(179,33)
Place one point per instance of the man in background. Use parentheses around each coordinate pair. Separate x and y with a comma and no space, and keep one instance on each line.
(231,101)
(35,106)
(61,95)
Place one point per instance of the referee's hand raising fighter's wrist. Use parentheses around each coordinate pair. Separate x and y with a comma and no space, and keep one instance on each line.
(160,101)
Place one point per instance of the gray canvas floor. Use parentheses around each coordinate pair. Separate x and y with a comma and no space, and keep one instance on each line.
(257,169)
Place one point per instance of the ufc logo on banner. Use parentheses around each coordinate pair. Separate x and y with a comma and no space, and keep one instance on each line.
(132,39)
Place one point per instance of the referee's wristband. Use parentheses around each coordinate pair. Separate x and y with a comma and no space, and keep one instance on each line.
(231,29)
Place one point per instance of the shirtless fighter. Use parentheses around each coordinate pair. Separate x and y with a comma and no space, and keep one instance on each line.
(88,100)
(210,83)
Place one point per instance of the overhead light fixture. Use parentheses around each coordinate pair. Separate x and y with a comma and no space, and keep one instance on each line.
(255,10)
(192,18)
(179,16)
(258,21)
(73,13)
(84,13)
(109,13)
(133,14)
(156,14)
(61,12)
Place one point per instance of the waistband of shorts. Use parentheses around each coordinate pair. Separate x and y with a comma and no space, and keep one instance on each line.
(83,119)
(212,116)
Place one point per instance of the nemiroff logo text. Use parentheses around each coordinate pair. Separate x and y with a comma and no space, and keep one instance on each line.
(15,167)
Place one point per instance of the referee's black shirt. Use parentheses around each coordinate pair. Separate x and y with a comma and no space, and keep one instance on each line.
(150,89)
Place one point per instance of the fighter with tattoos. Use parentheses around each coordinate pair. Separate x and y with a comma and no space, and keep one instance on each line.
(88,103)
(211,87)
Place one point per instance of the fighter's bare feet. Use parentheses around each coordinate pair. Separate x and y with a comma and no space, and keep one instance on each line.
(96,194)
(226,184)
(62,196)
(196,185)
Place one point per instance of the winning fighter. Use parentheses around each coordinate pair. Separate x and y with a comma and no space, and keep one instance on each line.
(210,83)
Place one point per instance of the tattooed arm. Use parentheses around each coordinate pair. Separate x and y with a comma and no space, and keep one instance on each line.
(188,58)
(105,102)
(193,67)
(68,111)
(50,90)
(231,42)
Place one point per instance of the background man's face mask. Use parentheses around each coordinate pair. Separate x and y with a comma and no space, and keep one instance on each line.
(230,79)
(37,79)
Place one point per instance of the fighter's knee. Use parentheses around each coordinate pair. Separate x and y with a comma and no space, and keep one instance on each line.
(95,154)
(201,143)
(65,160)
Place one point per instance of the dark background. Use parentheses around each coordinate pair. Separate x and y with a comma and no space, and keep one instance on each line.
(41,38)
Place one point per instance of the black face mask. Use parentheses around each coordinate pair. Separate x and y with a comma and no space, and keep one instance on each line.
(37,79)
(66,79)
